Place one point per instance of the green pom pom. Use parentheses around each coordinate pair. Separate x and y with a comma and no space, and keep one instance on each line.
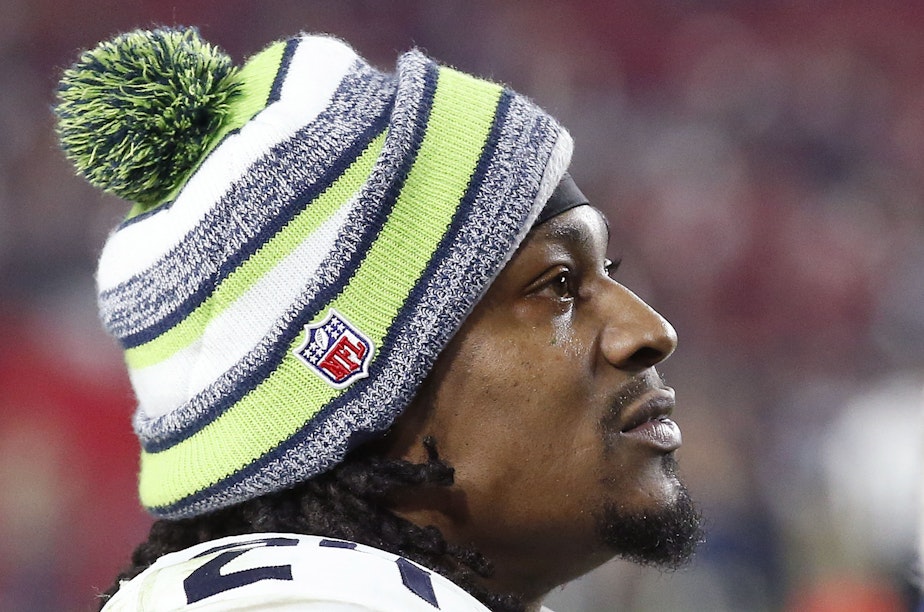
(136,114)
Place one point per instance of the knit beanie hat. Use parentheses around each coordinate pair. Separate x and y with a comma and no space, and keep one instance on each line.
(307,234)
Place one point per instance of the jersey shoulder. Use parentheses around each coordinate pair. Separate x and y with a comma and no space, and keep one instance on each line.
(279,571)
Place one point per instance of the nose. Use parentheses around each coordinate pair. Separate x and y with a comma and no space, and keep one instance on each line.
(635,337)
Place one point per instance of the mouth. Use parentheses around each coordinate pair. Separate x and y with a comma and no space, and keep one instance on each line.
(648,421)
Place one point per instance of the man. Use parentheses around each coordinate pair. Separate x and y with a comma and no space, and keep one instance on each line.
(370,323)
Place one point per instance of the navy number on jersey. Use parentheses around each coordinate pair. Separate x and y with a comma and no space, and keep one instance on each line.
(414,578)
(208,580)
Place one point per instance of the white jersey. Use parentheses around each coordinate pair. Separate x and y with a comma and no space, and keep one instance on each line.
(282,571)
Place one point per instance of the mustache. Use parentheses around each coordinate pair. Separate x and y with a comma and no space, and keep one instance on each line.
(630,392)
(634,388)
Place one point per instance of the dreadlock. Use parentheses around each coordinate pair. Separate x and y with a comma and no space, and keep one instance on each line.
(346,502)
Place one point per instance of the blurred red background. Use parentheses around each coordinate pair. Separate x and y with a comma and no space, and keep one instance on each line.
(763,166)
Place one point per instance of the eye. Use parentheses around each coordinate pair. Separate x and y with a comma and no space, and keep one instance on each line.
(561,285)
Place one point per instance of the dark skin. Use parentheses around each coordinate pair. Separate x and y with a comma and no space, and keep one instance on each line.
(548,406)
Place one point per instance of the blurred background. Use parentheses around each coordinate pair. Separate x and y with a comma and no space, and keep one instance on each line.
(763,166)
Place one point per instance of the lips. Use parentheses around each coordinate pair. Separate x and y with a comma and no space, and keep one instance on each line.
(647,421)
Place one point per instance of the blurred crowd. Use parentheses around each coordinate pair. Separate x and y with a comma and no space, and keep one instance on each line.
(763,166)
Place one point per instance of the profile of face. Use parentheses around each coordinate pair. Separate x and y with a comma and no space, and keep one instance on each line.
(548,406)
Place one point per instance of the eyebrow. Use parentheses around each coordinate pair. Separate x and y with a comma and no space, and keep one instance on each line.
(573,234)
(576,234)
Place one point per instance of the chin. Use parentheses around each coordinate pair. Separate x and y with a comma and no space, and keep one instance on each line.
(663,533)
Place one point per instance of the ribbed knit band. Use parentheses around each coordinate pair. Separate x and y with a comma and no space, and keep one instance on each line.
(289,300)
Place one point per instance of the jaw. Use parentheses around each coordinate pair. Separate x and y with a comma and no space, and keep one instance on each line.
(663,533)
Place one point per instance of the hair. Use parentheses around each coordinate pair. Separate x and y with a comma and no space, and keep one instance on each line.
(347,502)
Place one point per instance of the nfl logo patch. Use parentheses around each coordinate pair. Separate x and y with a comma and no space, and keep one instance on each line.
(336,350)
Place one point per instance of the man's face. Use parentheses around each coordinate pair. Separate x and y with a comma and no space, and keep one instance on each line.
(548,406)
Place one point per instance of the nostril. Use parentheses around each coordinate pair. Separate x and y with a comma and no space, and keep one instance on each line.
(647,356)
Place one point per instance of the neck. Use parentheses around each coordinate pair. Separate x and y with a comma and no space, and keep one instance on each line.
(529,571)
(533,574)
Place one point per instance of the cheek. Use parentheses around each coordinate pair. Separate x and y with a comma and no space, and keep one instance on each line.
(562,336)
(523,420)
(523,387)
(515,392)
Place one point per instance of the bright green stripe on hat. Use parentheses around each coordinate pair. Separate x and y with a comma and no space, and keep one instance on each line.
(282,244)
(254,83)
(293,394)
(257,77)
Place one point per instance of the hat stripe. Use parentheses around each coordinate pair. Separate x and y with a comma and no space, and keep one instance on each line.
(137,247)
(275,93)
(451,147)
(254,208)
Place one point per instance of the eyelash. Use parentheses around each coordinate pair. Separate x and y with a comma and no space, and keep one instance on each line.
(610,267)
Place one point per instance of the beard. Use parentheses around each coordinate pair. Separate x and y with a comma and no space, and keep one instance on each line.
(665,537)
